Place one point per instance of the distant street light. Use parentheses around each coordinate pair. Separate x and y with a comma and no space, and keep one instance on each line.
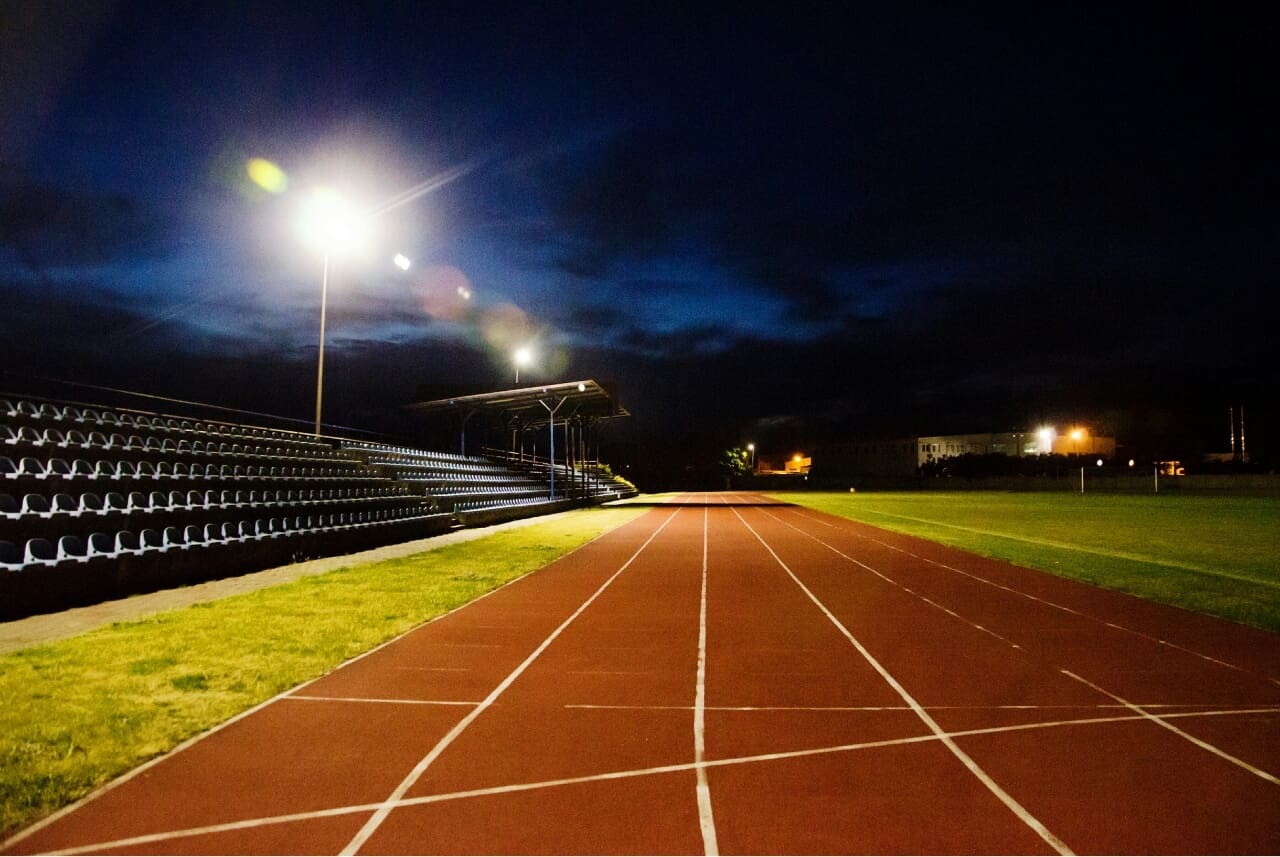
(1046,435)
(1076,436)
(751,448)
(523,357)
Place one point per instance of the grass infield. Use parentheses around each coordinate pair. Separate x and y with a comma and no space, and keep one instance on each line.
(79,712)
(1214,555)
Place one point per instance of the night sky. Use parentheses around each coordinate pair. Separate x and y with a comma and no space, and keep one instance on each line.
(812,223)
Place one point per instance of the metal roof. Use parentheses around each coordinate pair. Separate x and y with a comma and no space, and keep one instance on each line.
(532,404)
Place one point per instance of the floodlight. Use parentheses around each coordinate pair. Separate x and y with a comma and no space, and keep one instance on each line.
(401,261)
(329,224)
(523,356)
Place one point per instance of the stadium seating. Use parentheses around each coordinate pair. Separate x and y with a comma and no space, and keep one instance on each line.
(98,503)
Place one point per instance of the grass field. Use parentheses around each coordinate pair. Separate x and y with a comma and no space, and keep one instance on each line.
(78,712)
(1214,555)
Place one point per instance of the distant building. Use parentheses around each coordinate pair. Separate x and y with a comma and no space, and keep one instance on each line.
(794,465)
(905,456)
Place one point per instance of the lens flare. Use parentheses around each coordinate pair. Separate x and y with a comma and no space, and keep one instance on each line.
(443,291)
(505,327)
(267,175)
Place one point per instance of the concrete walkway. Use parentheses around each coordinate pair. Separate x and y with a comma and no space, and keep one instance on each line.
(48,627)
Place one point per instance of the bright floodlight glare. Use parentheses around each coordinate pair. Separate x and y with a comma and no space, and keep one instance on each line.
(582,388)
(523,356)
(1076,434)
(751,447)
(330,225)
(1099,462)
(402,261)
(1131,462)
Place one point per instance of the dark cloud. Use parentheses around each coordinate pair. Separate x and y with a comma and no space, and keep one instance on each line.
(46,227)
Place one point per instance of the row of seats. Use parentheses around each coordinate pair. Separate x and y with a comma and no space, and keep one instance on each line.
(28,437)
(47,412)
(490,503)
(43,552)
(89,503)
(36,516)
(370,447)
(423,463)
(30,467)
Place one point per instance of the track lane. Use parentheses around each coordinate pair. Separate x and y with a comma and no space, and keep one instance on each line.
(1229,644)
(1072,779)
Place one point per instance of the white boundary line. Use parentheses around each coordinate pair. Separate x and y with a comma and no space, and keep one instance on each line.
(1027,595)
(1066,546)
(384,808)
(304,698)
(194,739)
(1004,797)
(1204,745)
(352,809)
(706,821)
(1253,707)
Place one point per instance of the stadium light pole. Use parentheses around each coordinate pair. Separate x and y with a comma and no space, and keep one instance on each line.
(329,224)
(523,356)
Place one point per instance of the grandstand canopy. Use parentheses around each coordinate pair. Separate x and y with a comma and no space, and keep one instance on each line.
(533,405)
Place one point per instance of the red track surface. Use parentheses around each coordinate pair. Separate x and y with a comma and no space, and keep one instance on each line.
(848,690)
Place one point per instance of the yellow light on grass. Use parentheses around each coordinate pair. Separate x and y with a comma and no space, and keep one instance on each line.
(267,175)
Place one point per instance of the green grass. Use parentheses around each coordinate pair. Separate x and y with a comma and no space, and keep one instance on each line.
(78,712)
(1214,555)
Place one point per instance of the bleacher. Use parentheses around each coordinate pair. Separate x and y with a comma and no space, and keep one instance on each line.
(451,480)
(98,503)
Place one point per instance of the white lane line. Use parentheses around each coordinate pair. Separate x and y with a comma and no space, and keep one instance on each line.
(1004,797)
(854,708)
(706,821)
(250,823)
(306,698)
(384,809)
(1160,721)
(890,580)
(1046,602)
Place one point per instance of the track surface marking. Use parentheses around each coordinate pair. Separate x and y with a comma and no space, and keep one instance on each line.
(734,676)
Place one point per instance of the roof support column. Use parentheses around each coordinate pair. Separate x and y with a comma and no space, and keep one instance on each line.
(551,435)
(465,416)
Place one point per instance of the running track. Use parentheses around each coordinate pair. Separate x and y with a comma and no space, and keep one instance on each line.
(724,675)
